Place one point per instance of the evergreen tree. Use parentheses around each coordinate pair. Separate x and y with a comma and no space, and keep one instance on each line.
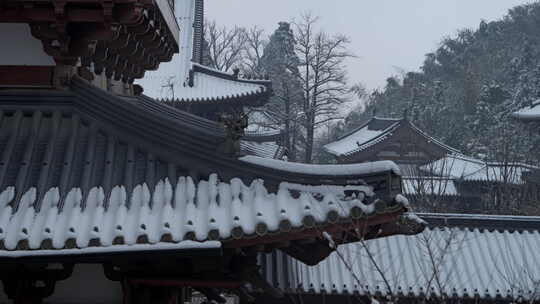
(280,63)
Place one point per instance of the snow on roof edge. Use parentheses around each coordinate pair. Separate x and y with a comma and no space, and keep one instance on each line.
(227,74)
(349,169)
(529,113)
(184,245)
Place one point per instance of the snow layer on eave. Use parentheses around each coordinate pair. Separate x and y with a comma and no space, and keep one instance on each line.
(355,141)
(168,82)
(209,87)
(529,113)
(203,211)
(473,263)
(184,245)
(353,169)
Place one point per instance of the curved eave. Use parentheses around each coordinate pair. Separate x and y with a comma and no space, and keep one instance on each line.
(199,68)
(256,98)
(261,91)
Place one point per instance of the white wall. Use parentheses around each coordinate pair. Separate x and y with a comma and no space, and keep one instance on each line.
(19,47)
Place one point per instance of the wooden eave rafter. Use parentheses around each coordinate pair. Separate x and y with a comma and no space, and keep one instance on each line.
(124,38)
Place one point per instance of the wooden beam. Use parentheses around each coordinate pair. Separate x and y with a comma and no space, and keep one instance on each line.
(185,283)
(31,76)
(314,232)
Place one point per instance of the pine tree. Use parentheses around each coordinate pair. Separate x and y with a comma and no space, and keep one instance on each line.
(280,63)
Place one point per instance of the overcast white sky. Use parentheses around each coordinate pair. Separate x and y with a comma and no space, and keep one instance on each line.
(385,34)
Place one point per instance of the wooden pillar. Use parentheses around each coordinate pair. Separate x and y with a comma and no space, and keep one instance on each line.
(28,291)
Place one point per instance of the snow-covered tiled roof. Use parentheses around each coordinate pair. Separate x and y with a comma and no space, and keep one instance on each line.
(102,171)
(419,185)
(531,113)
(471,169)
(167,83)
(262,149)
(504,173)
(453,166)
(263,143)
(464,262)
(374,131)
(208,210)
(172,80)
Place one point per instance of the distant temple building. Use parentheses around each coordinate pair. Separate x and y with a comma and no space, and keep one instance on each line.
(437,177)
(389,139)
(108,195)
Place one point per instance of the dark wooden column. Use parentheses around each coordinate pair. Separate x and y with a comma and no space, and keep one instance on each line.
(143,294)
(26,285)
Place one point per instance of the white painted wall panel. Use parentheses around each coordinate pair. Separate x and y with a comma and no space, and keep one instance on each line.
(19,47)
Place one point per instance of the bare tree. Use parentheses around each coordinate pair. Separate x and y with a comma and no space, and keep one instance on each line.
(435,251)
(322,74)
(168,84)
(522,278)
(225,46)
(255,42)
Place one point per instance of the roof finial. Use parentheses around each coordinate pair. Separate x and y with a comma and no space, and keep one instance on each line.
(374,111)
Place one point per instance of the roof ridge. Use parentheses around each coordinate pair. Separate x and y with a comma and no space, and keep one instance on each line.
(435,140)
(482,221)
(204,68)
(387,118)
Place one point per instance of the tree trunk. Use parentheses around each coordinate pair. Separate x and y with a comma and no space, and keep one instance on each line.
(310,134)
